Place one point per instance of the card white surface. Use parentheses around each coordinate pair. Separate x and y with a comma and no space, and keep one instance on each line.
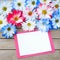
(33,43)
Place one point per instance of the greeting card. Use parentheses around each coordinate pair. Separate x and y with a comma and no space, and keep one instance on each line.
(33,43)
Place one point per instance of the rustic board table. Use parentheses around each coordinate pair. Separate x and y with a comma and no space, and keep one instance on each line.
(8,51)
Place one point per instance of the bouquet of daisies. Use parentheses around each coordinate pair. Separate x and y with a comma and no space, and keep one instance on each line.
(43,15)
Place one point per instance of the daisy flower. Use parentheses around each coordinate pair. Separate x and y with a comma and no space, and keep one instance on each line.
(16,17)
(44,25)
(28,25)
(30,14)
(5,9)
(56,5)
(8,31)
(32,3)
(19,4)
(56,13)
(56,22)
(45,1)
(3,21)
(44,11)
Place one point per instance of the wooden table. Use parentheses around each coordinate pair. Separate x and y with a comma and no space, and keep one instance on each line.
(8,51)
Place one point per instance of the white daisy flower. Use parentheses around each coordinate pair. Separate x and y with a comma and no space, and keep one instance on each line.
(5,8)
(32,3)
(29,14)
(44,11)
(56,22)
(45,1)
(19,4)
(56,4)
(3,22)
(28,25)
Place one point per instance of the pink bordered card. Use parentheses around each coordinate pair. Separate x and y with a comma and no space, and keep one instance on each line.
(33,43)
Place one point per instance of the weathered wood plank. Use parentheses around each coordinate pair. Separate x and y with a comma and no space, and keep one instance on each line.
(9,43)
(11,55)
(54,33)
(56,43)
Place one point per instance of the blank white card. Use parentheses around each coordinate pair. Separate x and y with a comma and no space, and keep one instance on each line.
(30,43)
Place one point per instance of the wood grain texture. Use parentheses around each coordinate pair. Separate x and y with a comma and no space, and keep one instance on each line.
(9,43)
(11,55)
(8,52)
(55,33)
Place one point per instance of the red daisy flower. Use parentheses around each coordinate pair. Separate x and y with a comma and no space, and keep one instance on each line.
(16,17)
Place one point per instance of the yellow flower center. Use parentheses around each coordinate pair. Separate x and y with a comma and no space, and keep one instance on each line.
(30,13)
(19,4)
(8,28)
(16,18)
(45,0)
(33,2)
(29,24)
(56,20)
(44,12)
(1,22)
(4,8)
(57,6)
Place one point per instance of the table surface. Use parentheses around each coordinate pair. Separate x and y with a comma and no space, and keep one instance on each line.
(8,50)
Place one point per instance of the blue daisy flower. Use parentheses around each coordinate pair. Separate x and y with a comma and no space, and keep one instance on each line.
(56,12)
(44,25)
(56,22)
(8,30)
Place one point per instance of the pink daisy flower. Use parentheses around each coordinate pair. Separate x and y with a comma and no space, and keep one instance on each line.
(44,11)
(16,17)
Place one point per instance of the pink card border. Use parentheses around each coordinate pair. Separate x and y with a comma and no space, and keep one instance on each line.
(17,47)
